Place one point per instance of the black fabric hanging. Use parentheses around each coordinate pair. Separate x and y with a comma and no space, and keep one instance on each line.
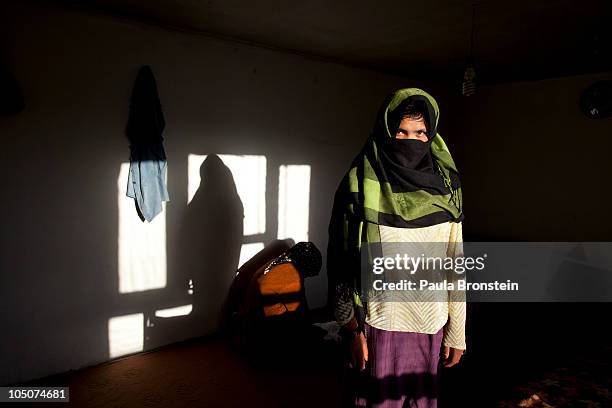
(147,176)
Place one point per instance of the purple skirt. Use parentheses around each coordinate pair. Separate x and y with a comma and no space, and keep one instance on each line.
(402,371)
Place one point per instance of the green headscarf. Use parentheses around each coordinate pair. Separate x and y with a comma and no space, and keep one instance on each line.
(380,190)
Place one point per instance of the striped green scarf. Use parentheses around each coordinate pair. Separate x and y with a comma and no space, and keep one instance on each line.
(376,192)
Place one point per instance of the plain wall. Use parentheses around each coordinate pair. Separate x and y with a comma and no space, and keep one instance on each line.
(61,156)
(533,167)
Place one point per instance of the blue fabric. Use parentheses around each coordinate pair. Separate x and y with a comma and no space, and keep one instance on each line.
(147,181)
(147,177)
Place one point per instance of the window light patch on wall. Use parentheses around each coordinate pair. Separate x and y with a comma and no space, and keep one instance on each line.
(125,334)
(293,202)
(249,173)
(174,311)
(141,245)
(248,251)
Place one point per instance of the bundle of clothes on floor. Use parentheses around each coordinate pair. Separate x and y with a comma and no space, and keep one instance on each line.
(266,314)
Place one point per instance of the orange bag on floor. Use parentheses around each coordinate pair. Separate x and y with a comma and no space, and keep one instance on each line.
(281,289)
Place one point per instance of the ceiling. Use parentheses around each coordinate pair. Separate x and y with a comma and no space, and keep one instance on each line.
(512,40)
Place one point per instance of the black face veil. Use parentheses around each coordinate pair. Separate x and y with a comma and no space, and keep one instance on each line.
(409,153)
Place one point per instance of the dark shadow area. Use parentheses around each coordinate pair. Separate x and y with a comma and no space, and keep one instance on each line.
(11,95)
(511,345)
(205,256)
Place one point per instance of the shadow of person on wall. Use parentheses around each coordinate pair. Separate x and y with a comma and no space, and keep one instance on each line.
(207,254)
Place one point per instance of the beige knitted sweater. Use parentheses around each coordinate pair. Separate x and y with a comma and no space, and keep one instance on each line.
(418,316)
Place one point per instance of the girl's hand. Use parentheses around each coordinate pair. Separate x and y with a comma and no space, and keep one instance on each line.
(359,351)
(451,356)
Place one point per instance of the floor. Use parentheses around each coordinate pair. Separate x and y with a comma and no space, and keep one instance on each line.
(544,364)
(199,373)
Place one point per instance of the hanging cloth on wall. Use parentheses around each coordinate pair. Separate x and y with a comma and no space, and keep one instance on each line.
(147,176)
